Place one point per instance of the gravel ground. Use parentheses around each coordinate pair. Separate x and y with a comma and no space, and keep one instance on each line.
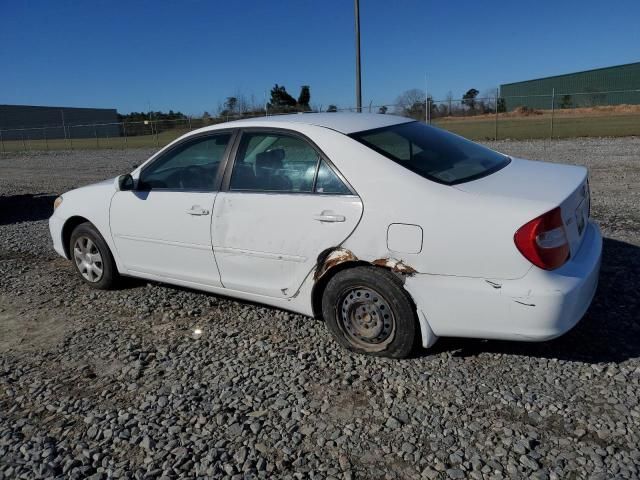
(115,384)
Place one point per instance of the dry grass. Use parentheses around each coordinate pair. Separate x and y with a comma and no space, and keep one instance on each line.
(525,113)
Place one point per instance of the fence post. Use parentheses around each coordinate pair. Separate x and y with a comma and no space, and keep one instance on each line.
(46,143)
(1,141)
(69,136)
(157,145)
(553,103)
(95,132)
(189,117)
(496,129)
(24,145)
(124,132)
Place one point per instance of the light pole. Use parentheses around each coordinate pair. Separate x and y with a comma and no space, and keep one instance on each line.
(358,77)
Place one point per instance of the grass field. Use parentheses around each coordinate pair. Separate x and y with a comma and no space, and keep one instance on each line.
(139,141)
(539,126)
(566,124)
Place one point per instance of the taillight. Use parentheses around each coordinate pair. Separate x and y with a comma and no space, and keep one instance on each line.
(543,241)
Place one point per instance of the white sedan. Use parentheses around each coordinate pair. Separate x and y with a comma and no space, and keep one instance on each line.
(394,232)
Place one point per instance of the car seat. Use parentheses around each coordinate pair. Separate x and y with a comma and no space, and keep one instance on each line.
(269,167)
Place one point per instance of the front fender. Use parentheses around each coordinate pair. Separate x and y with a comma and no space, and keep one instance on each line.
(91,204)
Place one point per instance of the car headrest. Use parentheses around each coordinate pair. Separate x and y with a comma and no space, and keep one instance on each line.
(271,159)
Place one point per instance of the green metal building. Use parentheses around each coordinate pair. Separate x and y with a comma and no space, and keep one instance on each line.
(602,86)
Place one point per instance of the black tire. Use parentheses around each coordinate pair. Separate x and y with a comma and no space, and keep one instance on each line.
(358,324)
(109,276)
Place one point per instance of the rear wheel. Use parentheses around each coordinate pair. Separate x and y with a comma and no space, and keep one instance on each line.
(92,257)
(368,311)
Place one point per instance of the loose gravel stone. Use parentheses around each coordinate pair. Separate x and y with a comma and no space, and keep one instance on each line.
(113,384)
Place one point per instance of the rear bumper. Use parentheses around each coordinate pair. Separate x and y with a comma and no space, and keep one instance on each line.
(539,306)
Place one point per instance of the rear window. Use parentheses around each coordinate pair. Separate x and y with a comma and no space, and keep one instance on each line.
(433,153)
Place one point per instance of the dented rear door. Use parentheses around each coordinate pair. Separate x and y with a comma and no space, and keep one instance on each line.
(267,243)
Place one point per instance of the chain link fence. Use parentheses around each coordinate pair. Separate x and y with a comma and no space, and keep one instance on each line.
(552,116)
(146,133)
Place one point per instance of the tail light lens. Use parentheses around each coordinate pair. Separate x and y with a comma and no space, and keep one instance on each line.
(543,240)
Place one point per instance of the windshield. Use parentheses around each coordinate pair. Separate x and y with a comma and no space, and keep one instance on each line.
(433,153)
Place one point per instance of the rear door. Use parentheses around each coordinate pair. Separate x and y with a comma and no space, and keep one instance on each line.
(282,204)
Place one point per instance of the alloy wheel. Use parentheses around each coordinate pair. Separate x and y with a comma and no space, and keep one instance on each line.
(88,259)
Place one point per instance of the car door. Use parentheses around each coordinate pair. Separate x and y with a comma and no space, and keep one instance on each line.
(282,204)
(163,227)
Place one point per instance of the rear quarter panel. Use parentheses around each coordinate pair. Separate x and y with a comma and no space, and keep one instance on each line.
(464,234)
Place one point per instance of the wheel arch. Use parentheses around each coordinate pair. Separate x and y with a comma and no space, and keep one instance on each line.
(335,260)
(321,283)
(69,225)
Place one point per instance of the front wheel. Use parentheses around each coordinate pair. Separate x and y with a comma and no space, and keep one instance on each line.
(367,310)
(92,257)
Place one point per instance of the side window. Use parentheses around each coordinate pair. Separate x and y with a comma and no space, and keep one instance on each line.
(328,182)
(192,165)
(273,162)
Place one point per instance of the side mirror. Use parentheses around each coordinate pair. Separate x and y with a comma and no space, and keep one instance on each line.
(125,182)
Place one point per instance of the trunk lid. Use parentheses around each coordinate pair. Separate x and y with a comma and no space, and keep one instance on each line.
(543,186)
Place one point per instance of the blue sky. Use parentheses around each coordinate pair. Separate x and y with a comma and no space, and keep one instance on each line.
(189,55)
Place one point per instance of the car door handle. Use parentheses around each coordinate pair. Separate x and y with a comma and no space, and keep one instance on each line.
(196,210)
(329,217)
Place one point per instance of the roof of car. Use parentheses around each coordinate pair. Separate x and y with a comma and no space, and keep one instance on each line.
(342,122)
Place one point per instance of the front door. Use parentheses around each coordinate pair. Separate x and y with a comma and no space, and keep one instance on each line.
(163,227)
(284,205)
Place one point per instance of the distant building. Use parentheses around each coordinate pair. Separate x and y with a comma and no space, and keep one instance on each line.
(601,86)
(25,121)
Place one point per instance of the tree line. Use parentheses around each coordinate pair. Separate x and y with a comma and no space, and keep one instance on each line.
(412,103)
(157,115)
(280,101)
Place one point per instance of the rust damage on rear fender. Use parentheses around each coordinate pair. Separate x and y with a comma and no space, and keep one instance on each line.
(394,265)
(332,257)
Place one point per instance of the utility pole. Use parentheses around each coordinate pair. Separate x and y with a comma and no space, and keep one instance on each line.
(266,105)
(64,129)
(358,77)
(553,107)
(426,99)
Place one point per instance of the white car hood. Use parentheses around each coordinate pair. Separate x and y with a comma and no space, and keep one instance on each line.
(87,194)
(108,181)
